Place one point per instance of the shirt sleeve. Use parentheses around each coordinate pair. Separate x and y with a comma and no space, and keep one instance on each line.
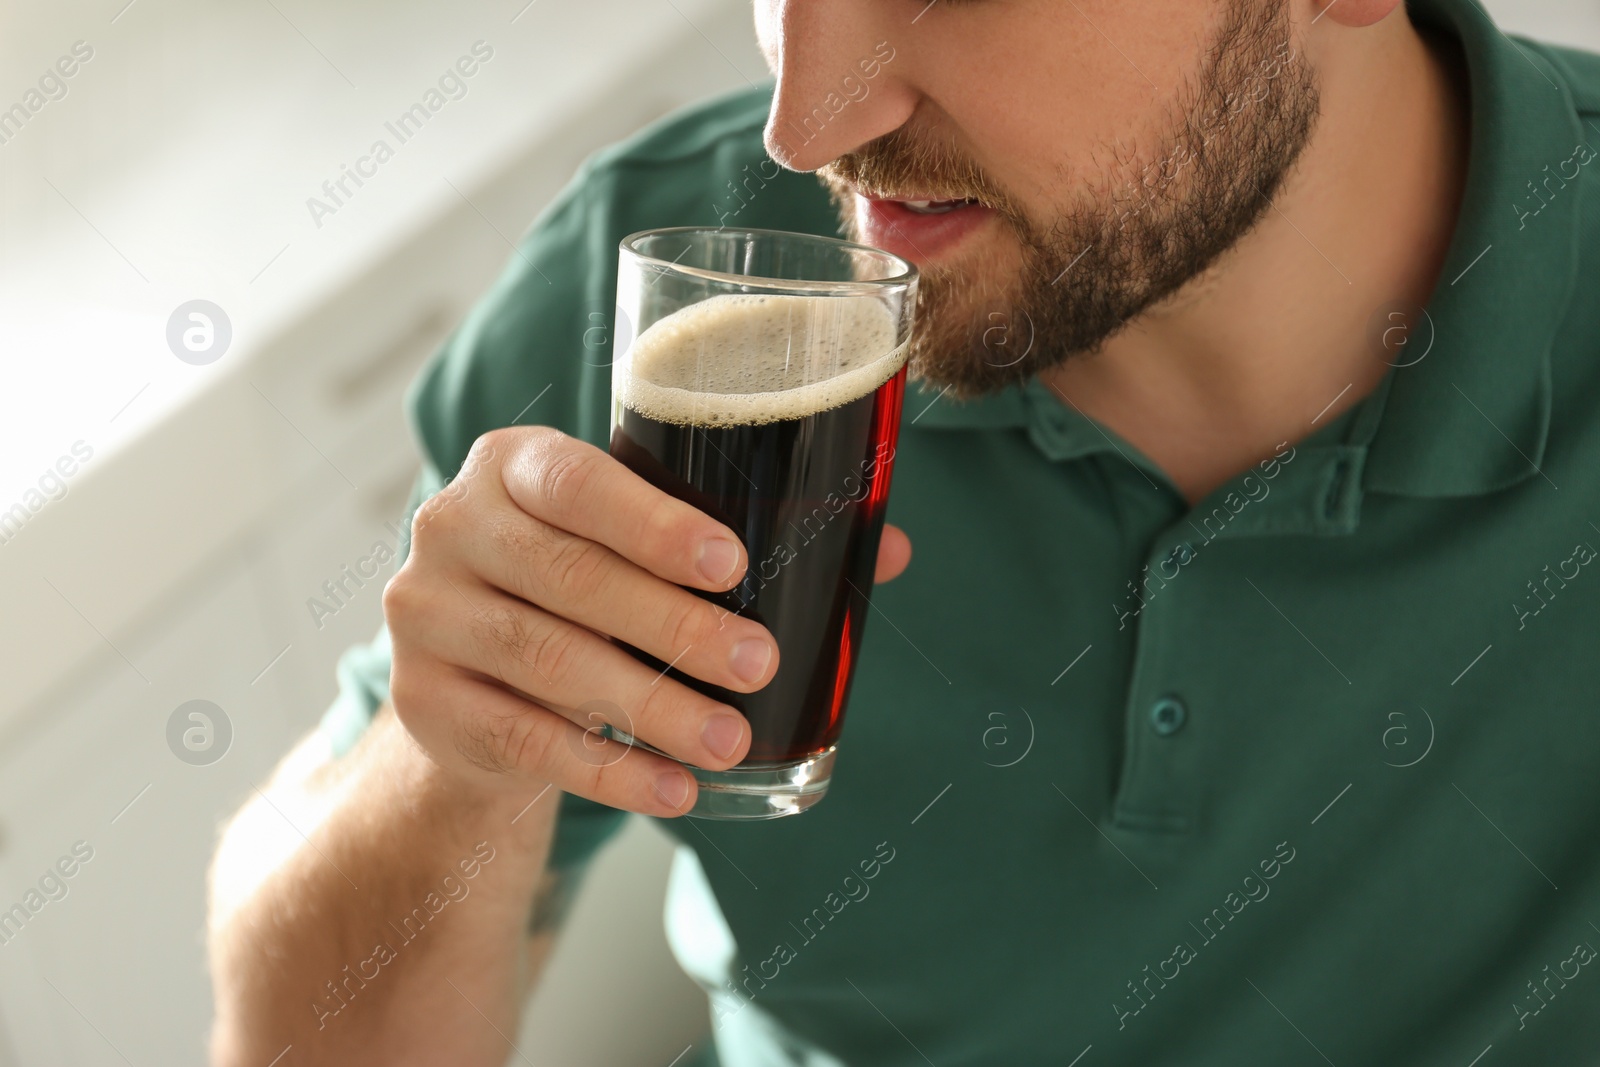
(531,344)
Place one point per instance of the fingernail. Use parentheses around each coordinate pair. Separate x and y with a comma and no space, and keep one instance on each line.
(721,734)
(673,787)
(750,658)
(718,556)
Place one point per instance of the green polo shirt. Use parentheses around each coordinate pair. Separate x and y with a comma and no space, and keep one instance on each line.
(1307,772)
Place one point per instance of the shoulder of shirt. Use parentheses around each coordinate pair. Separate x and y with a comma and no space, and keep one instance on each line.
(535,347)
(1579,67)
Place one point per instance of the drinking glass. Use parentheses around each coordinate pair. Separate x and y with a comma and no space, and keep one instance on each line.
(759,375)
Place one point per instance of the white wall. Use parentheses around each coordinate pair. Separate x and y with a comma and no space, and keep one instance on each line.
(1575,22)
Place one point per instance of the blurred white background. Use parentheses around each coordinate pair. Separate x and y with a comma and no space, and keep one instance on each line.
(175,562)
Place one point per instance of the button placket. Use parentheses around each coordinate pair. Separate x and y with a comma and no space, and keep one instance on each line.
(1155,789)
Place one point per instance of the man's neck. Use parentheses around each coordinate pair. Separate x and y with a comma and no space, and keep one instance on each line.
(1274,341)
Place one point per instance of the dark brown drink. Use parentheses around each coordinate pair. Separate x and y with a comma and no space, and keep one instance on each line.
(792,446)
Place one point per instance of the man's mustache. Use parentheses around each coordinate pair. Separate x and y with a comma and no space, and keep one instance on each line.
(903,166)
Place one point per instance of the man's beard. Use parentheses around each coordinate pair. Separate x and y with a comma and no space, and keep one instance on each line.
(1148,227)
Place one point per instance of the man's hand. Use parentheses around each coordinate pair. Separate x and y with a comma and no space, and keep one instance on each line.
(542,548)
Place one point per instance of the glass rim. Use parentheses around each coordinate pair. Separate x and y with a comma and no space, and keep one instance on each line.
(907,275)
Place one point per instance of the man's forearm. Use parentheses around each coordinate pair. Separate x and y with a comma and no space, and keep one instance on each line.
(375,913)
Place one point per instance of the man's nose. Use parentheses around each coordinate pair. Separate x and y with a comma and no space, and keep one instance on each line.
(843,71)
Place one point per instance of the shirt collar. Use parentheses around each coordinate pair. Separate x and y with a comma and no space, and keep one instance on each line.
(1472,415)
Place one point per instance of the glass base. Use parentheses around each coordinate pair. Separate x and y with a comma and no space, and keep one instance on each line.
(763,790)
(754,790)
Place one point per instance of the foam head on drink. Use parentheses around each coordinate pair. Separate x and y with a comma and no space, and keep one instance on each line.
(778,416)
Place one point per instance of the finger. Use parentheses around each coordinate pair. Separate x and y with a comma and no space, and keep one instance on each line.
(894,553)
(585,678)
(589,584)
(576,487)
(452,714)
(500,732)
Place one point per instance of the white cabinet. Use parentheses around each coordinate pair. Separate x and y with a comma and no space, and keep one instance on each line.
(115,967)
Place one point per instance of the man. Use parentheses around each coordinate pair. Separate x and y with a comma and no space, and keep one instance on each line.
(1239,706)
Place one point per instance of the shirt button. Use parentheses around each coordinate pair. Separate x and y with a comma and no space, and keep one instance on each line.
(1167,716)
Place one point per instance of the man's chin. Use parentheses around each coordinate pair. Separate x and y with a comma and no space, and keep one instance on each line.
(971,336)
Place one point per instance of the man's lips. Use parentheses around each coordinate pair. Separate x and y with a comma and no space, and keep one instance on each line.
(917,229)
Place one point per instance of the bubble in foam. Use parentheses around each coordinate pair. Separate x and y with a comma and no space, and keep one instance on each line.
(744,359)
